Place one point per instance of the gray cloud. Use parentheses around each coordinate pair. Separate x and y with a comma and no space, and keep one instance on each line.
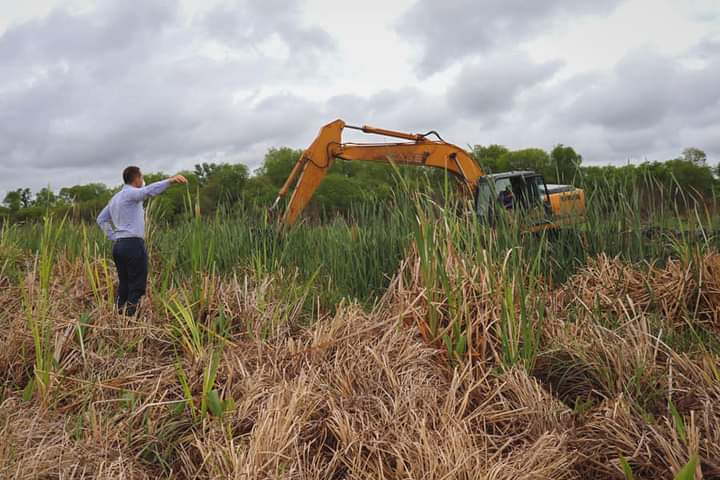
(649,106)
(110,30)
(406,109)
(647,90)
(637,94)
(449,31)
(251,22)
(119,85)
(707,49)
(490,86)
(83,94)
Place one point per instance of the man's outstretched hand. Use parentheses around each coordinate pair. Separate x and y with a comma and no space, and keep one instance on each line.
(178,179)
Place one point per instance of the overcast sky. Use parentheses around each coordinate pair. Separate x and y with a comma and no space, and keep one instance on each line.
(87,88)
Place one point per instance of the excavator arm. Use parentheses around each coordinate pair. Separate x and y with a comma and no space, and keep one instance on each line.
(316,160)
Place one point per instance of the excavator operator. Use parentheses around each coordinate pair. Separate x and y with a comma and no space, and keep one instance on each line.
(506,198)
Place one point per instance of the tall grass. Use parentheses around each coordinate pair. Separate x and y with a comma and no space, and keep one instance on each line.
(355,256)
(98,271)
(10,252)
(37,303)
(468,270)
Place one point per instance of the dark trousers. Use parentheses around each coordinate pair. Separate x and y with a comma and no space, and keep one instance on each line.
(131,262)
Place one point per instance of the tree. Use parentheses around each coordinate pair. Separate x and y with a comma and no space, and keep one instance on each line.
(17,199)
(694,156)
(278,164)
(45,198)
(224,186)
(258,191)
(691,177)
(25,197)
(83,193)
(203,171)
(527,159)
(489,156)
(566,162)
(13,200)
(337,193)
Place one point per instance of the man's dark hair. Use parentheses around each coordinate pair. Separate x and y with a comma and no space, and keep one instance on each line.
(130,174)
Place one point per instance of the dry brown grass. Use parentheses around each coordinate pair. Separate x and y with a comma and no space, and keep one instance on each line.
(680,291)
(363,394)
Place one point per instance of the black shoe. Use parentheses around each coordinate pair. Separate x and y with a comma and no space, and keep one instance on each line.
(132,309)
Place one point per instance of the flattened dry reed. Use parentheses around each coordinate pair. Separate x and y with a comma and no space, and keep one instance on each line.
(364,394)
(680,291)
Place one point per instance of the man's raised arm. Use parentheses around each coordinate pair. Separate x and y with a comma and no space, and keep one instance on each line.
(155,188)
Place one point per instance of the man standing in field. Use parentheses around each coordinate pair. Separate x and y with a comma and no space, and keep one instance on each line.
(123,221)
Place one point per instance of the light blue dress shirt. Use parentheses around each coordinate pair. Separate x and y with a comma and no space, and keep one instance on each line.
(124,216)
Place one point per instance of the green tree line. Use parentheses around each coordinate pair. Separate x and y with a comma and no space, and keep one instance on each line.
(225,187)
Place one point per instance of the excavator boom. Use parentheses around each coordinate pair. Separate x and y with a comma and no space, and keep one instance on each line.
(316,160)
(561,207)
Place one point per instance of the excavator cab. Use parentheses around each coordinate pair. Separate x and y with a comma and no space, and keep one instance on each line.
(522,193)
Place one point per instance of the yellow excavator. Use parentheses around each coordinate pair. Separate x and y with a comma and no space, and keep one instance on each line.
(543,206)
